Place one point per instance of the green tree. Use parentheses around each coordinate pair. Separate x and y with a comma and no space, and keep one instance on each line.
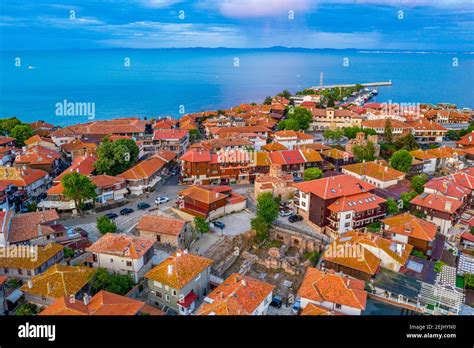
(453,135)
(7,124)
(312,174)
(201,225)
(392,206)
(418,254)
(115,157)
(68,253)
(79,188)
(300,115)
(408,142)
(194,134)
(406,198)
(21,133)
(401,160)
(261,228)
(364,153)
(469,280)
(27,309)
(388,132)
(116,283)
(438,266)
(289,124)
(418,181)
(285,94)
(268,101)
(267,207)
(105,225)
(374,226)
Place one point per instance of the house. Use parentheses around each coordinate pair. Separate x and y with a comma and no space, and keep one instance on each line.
(164,230)
(39,157)
(427,132)
(466,142)
(221,132)
(447,186)
(313,198)
(25,261)
(102,303)
(123,254)
(179,282)
(7,141)
(331,118)
(362,139)
(210,202)
(411,230)
(109,189)
(440,210)
(441,158)
(354,212)
(83,165)
(278,183)
(175,140)
(375,173)
(165,123)
(275,146)
(290,138)
(79,148)
(39,227)
(57,281)
(399,129)
(132,127)
(42,128)
(238,295)
(144,175)
(37,140)
(332,291)
(338,158)
(29,183)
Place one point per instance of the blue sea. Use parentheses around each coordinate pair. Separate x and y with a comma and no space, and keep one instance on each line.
(161,82)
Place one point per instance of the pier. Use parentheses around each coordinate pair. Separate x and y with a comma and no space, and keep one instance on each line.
(368,84)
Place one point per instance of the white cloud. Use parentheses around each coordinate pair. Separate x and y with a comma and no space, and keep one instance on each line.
(256,8)
(159,3)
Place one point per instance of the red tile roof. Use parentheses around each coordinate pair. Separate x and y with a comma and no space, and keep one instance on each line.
(25,226)
(121,245)
(358,203)
(335,186)
(161,225)
(83,165)
(437,202)
(411,226)
(143,169)
(169,134)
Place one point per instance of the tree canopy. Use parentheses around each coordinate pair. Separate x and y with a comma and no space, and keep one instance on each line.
(78,188)
(116,283)
(418,181)
(299,118)
(401,160)
(21,132)
(364,152)
(408,142)
(312,174)
(117,156)
(105,225)
(201,225)
(388,131)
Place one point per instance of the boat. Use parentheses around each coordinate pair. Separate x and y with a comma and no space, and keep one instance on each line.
(375,92)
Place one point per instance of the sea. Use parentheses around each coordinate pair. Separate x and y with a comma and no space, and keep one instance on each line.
(171,82)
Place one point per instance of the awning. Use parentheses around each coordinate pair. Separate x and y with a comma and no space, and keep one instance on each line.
(188,300)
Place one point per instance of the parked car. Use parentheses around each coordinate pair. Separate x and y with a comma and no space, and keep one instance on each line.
(126,211)
(295,218)
(219,224)
(174,172)
(160,200)
(111,216)
(283,213)
(296,309)
(277,301)
(143,205)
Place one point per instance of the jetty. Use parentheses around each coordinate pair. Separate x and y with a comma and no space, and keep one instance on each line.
(368,84)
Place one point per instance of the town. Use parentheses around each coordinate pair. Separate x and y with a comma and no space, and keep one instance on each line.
(322,202)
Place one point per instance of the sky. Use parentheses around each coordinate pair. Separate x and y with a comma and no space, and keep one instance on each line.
(442,25)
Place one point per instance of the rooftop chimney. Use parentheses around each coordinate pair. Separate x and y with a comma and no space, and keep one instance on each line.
(30,283)
(170,269)
(447,206)
(86,299)
(244,282)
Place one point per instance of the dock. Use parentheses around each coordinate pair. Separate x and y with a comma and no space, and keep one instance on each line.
(368,84)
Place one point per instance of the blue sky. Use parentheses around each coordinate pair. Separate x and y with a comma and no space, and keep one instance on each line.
(368,24)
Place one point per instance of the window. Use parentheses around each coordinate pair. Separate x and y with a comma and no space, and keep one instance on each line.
(338,306)
(129,263)
(167,298)
(158,284)
(159,294)
(174,292)
(198,277)
(111,260)
(348,216)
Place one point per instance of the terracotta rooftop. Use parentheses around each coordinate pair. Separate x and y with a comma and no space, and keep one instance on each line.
(161,224)
(37,155)
(337,154)
(375,170)
(201,194)
(275,146)
(335,186)
(83,165)
(144,169)
(169,134)
(26,226)
(359,202)
(437,202)
(411,226)
(447,186)
(179,269)
(106,181)
(121,245)
(237,295)
(323,286)
(27,261)
(59,280)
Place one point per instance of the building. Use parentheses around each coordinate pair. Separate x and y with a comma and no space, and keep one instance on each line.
(334,119)
(79,148)
(427,132)
(179,282)
(399,129)
(26,261)
(30,183)
(102,303)
(174,140)
(332,291)
(466,142)
(144,175)
(291,139)
(313,198)
(411,230)
(83,165)
(441,210)
(210,202)
(278,183)
(123,254)
(40,227)
(165,230)
(375,173)
(447,186)
(109,189)
(362,139)
(440,159)
(338,158)
(238,295)
(38,157)
(57,281)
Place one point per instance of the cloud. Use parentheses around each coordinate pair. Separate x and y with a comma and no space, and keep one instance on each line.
(256,8)
(159,3)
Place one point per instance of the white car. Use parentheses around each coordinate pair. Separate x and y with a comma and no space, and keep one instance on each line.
(161,200)
(285,213)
